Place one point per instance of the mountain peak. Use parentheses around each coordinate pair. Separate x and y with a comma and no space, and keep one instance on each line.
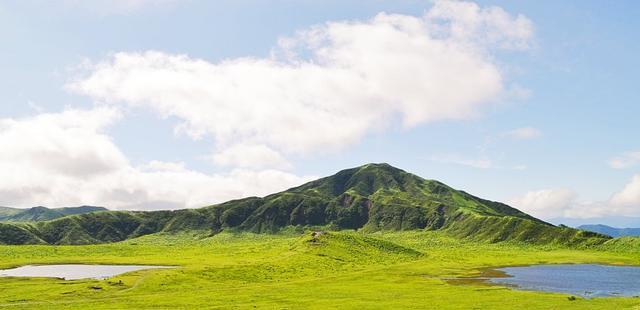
(371,197)
(384,166)
(362,180)
(380,167)
(41,213)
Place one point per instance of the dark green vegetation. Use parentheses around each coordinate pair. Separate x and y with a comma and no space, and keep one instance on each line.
(37,214)
(373,197)
(611,231)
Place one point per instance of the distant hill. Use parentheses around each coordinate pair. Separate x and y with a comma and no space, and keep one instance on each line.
(370,198)
(613,221)
(611,231)
(42,214)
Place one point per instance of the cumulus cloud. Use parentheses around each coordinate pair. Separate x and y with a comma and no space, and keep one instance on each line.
(546,203)
(556,203)
(250,156)
(325,87)
(628,200)
(625,160)
(66,158)
(523,133)
(68,143)
(466,21)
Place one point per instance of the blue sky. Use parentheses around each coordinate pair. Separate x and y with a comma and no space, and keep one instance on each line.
(547,141)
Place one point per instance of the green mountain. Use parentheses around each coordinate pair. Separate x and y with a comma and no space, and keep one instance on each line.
(611,231)
(42,214)
(370,198)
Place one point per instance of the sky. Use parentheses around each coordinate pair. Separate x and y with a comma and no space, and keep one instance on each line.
(167,104)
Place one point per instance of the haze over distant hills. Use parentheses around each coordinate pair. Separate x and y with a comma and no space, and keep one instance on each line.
(42,214)
(372,197)
(613,221)
(611,231)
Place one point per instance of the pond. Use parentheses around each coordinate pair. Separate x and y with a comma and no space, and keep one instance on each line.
(586,280)
(74,272)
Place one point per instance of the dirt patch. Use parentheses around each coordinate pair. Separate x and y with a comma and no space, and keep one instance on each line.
(482,279)
(315,237)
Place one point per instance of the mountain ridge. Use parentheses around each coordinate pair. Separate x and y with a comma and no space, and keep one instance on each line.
(611,231)
(40,213)
(370,198)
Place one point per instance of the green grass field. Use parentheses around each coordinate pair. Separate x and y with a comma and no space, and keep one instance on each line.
(337,270)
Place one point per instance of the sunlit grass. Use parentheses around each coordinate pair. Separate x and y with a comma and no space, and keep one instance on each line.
(382,270)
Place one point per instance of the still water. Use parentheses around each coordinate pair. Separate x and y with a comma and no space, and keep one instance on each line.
(73,272)
(587,280)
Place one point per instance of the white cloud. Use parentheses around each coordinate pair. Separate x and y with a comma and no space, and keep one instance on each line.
(625,160)
(172,185)
(250,156)
(557,203)
(523,133)
(68,143)
(466,21)
(628,200)
(546,203)
(326,87)
(66,159)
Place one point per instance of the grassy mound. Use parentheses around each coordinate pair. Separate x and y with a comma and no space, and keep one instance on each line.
(352,247)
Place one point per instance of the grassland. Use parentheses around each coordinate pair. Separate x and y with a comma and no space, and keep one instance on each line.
(337,270)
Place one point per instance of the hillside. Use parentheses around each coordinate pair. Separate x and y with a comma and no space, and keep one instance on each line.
(370,198)
(42,214)
(611,231)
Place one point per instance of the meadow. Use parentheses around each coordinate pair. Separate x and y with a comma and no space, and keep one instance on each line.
(289,270)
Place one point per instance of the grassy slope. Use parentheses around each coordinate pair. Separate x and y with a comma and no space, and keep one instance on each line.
(6,211)
(42,214)
(372,197)
(345,270)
